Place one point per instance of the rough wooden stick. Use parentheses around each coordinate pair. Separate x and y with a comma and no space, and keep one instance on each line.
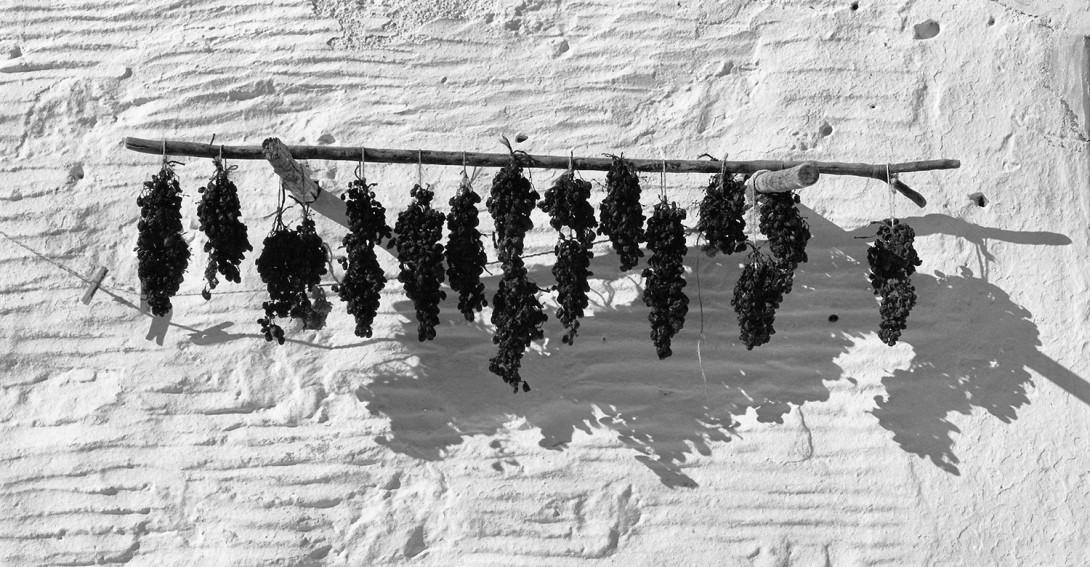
(297,181)
(797,177)
(477,159)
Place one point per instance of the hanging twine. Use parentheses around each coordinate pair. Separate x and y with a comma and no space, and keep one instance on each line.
(889,185)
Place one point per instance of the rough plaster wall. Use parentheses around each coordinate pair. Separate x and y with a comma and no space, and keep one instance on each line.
(192,441)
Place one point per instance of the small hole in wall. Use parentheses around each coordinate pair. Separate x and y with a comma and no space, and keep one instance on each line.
(991,21)
(978,199)
(855,6)
(833,318)
(872,105)
(825,130)
(926,30)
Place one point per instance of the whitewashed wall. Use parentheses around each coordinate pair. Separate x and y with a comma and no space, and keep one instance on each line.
(128,440)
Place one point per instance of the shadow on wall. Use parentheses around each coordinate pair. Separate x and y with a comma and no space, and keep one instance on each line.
(972,346)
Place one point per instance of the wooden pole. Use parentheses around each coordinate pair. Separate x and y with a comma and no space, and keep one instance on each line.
(477,159)
(784,180)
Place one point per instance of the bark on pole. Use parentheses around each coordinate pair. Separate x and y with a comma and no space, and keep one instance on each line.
(297,181)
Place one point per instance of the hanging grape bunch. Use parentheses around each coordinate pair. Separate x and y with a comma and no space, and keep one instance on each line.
(516,311)
(363,280)
(893,260)
(220,218)
(621,213)
(665,275)
(722,221)
(465,251)
(568,206)
(291,262)
(786,230)
(420,253)
(161,250)
(757,295)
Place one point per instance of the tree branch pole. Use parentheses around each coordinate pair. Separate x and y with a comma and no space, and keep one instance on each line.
(477,159)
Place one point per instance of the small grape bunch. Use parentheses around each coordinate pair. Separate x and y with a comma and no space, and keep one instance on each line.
(465,253)
(621,214)
(361,287)
(893,260)
(161,250)
(290,264)
(510,203)
(519,319)
(568,206)
(420,253)
(757,295)
(665,275)
(787,232)
(722,215)
(220,218)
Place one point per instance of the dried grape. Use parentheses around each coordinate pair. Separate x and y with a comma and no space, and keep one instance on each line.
(161,250)
(290,264)
(893,260)
(621,214)
(722,210)
(220,218)
(420,253)
(757,295)
(665,275)
(361,286)
(567,203)
(786,230)
(465,251)
(516,311)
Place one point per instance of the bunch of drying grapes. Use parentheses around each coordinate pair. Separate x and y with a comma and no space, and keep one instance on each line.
(757,295)
(220,216)
(567,203)
(893,260)
(666,275)
(722,219)
(363,280)
(465,251)
(519,318)
(621,213)
(161,251)
(420,253)
(511,201)
(291,262)
(516,311)
(786,230)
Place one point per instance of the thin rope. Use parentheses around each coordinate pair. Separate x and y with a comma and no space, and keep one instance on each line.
(662,181)
(571,161)
(420,167)
(700,301)
(363,164)
(889,185)
(164,151)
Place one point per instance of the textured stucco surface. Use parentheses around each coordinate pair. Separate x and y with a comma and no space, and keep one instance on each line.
(193,441)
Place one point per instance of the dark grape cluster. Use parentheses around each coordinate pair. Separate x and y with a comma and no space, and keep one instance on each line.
(290,264)
(516,311)
(666,275)
(510,203)
(621,213)
(465,251)
(757,295)
(519,319)
(786,230)
(161,250)
(220,218)
(361,286)
(893,260)
(420,253)
(722,215)
(568,206)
